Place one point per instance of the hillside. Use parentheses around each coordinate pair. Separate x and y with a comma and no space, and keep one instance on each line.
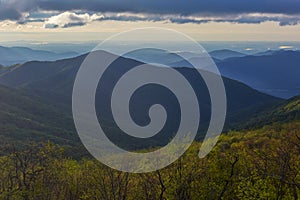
(56,78)
(287,111)
(25,118)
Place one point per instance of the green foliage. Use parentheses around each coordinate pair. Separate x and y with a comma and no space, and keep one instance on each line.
(257,164)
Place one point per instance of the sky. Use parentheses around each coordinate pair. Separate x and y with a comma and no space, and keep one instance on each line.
(204,20)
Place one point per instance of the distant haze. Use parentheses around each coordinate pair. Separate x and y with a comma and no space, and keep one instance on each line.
(83,47)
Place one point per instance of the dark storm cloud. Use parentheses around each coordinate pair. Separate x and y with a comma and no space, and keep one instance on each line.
(175,11)
(14,9)
(9,13)
(284,20)
(183,7)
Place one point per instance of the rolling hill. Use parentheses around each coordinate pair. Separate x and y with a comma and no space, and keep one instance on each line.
(18,55)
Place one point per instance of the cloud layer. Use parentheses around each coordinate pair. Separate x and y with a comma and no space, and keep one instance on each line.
(176,6)
(69,13)
(69,19)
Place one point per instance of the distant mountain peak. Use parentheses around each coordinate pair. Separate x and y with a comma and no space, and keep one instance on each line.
(226,53)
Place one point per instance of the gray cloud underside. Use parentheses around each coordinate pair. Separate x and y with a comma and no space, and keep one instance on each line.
(14,9)
(161,10)
(69,19)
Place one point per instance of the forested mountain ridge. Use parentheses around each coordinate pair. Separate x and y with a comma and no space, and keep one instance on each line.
(53,82)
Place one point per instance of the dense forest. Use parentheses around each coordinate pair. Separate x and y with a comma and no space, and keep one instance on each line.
(253,164)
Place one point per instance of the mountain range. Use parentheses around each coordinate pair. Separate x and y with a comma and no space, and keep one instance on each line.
(18,55)
(276,74)
(271,72)
(50,85)
(225,54)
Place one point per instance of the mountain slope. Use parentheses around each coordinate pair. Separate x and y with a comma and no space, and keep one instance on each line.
(25,118)
(287,111)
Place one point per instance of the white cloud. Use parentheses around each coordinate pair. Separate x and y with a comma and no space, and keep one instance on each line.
(285,47)
(69,19)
